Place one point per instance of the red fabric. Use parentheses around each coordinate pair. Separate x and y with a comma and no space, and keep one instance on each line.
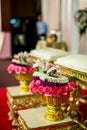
(84,92)
(5,123)
(83,106)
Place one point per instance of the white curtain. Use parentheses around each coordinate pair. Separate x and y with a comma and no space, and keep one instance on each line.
(83,38)
(69,29)
(83,4)
(51,13)
(0,15)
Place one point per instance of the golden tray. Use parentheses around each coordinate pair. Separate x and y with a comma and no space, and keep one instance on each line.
(25,76)
(74,65)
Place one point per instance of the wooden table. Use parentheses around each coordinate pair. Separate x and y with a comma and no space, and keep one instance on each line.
(20,100)
(34,119)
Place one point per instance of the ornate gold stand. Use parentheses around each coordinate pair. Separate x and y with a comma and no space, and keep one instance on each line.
(32,123)
(54,113)
(17,100)
(55,107)
(75,100)
(75,114)
(24,81)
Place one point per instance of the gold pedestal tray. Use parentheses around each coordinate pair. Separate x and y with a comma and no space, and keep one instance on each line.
(81,80)
(55,107)
(20,100)
(24,81)
(71,72)
(33,119)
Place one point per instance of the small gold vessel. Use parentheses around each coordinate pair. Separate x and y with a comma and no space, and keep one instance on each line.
(24,80)
(55,107)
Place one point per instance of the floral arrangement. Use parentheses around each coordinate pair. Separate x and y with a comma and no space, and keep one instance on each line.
(23,58)
(21,63)
(81,20)
(48,86)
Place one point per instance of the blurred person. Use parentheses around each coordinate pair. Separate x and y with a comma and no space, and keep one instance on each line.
(42,28)
(51,40)
(41,43)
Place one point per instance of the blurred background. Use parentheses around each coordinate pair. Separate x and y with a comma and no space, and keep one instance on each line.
(20,16)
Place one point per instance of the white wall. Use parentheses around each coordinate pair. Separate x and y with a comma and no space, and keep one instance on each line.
(83,39)
(0,16)
(70,34)
(51,13)
(65,21)
(83,4)
(69,29)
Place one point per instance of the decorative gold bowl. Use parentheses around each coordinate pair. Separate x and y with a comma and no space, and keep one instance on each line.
(24,79)
(25,76)
(55,107)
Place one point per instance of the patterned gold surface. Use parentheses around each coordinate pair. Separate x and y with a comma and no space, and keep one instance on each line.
(79,75)
(21,101)
(81,80)
(83,85)
(77,117)
(22,124)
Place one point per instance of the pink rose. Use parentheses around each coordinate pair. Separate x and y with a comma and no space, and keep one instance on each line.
(40,89)
(32,87)
(47,90)
(23,69)
(31,84)
(18,69)
(72,85)
(28,69)
(64,90)
(32,69)
(38,83)
(55,91)
(11,68)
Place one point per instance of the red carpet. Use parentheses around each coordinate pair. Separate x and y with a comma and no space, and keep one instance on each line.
(5,124)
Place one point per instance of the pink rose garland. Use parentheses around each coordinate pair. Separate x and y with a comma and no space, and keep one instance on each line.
(12,68)
(36,87)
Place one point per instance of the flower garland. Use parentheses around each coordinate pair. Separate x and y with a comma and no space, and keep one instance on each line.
(36,86)
(46,87)
(21,63)
(22,58)
(13,68)
(81,20)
